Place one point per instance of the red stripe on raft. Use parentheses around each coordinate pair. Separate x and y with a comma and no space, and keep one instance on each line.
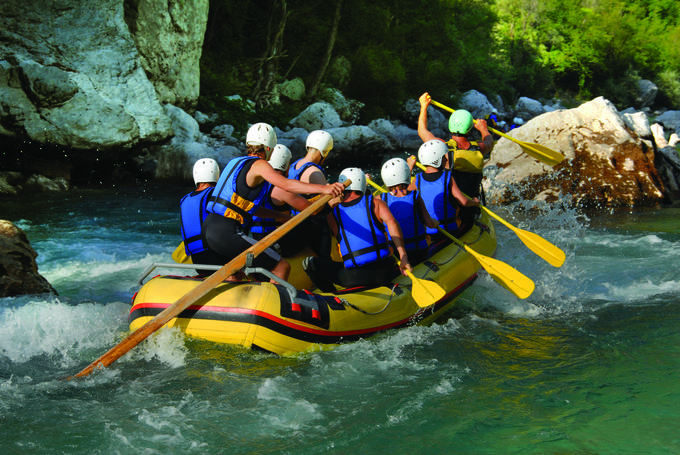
(208,308)
(273,318)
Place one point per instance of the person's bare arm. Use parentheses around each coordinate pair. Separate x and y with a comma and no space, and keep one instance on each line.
(423,132)
(383,214)
(313,175)
(486,144)
(462,198)
(294,200)
(263,170)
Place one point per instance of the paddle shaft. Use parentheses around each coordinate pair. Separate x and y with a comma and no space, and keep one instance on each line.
(539,152)
(202,289)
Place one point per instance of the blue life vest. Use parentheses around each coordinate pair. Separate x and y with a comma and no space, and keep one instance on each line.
(405,211)
(192,212)
(438,200)
(361,237)
(266,225)
(295,174)
(232,198)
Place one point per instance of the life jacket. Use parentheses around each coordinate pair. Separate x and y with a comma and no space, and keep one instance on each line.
(361,237)
(266,225)
(192,213)
(470,160)
(405,211)
(438,200)
(295,174)
(232,198)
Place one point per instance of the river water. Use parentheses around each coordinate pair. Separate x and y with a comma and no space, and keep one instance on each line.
(589,364)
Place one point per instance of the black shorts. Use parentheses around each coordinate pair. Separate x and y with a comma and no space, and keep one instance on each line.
(225,239)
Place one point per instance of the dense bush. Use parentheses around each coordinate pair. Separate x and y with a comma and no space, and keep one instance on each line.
(398,49)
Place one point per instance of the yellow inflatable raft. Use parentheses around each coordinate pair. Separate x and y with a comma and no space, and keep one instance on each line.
(283,320)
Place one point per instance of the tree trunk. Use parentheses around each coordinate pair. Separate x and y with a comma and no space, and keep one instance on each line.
(316,82)
(268,64)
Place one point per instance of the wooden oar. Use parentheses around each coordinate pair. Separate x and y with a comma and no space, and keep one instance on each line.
(540,152)
(180,255)
(202,289)
(425,293)
(511,279)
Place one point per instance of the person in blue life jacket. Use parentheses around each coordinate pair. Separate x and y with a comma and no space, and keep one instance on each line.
(469,156)
(439,190)
(361,224)
(296,239)
(260,227)
(407,207)
(308,168)
(240,193)
(193,211)
(314,231)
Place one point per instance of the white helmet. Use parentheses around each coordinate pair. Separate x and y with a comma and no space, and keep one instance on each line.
(320,140)
(262,134)
(206,170)
(357,177)
(280,159)
(432,152)
(396,172)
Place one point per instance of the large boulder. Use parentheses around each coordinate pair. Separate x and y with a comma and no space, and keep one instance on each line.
(18,269)
(607,164)
(71,74)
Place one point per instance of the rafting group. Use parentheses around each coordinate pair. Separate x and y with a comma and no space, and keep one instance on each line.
(362,262)
(232,209)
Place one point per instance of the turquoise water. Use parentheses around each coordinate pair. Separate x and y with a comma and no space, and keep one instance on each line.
(589,364)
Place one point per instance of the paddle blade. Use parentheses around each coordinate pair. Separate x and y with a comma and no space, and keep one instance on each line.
(180,255)
(540,246)
(424,292)
(505,275)
(546,250)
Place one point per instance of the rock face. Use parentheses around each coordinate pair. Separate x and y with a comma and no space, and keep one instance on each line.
(607,164)
(169,37)
(18,270)
(71,74)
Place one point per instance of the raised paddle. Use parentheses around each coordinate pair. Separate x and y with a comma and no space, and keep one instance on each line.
(537,151)
(511,279)
(544,249)
(202,289)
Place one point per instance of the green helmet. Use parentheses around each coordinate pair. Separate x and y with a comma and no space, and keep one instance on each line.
(460,122)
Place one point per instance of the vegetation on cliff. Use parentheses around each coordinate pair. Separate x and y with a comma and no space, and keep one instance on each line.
(397,49)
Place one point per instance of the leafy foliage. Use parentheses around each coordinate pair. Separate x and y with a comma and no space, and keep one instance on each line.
(398,48)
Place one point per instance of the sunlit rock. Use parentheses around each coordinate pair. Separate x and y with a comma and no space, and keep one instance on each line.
(606,163)
(73,74)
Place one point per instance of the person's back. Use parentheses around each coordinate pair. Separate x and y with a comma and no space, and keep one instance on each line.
(361,224)
(407,207)
(438,188)
(193,211)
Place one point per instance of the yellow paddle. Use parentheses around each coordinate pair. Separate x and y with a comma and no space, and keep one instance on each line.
(537,151)
(202,289)
(180,255)
(544,249)
(424,292)
(505,275)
